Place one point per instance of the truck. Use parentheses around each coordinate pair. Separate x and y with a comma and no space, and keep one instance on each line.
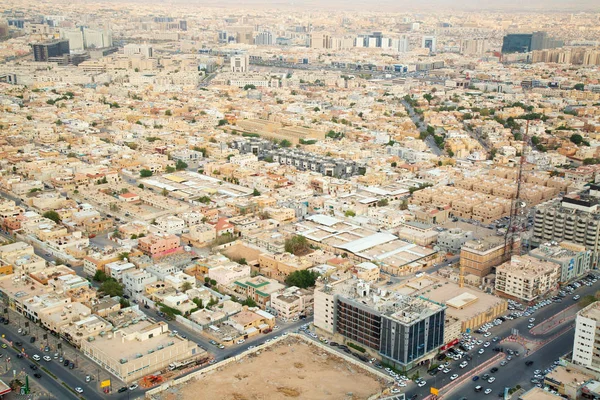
(180,364)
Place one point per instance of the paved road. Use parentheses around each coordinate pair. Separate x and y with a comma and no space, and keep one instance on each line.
(421,127)
(542,358)
(63,374)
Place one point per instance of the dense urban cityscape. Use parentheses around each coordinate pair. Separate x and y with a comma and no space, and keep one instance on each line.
(299,200)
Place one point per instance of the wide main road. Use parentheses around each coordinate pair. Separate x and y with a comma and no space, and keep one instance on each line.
(542,358)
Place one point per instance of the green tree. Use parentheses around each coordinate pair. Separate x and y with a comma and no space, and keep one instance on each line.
(124,302)
(249,87)
(169,169)
(350,213)
(382,202)
(249,302)
(302,279)
(145,173)
(285,143)
(53,215)
(111,287)
(394,164)
(296,245)
(222,122)
(579,86)
(168,113)
(186,286)
(179,165)
(255,192)
(535,140)
(99,276)
(141,186)
(576,138)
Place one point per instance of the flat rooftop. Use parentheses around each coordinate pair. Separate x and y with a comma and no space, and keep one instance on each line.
(568,375)
(592,311)
(538,394)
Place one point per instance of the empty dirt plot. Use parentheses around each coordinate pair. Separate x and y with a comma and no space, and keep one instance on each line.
(290,369)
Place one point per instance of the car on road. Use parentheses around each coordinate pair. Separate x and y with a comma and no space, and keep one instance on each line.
(421,383)
(453,377)
(395,391)
(528,363)
(491,380)
(122,389)
(478,388)
(32,339)
(576,297)
(241,341)
(79,390)
(47,358)
(71,365)
(494,370)
(36,357)
(66,363)
(88,379)
(18,344)
(480,351)
(475,378)
(446,370)
(33,367)
(488,391)
(133,387)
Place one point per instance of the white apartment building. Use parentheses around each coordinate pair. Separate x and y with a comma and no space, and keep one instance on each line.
(177,280)
(161,270)
(135,282)
(170,224)
(585,350)
(292,302)
(228,273)
(526,277)
(116,269)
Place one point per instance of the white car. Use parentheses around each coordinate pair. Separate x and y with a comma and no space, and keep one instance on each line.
(401,384)
(453,377)
(446,370)
(133,387)
(422,383)
(36,357)
(394,391)
(480,351)
(492,379)
(488,391)
(47,358)
(79,390)
(463,364)
(241,341)
(486,344)
(530,326)
(531,319)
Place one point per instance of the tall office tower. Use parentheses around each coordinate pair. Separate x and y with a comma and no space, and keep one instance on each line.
(264,38)
(517,43)
(403,329)
(43,51)
(222,37)
(539,40)
(244,35)
(400,44)
(475,47)
(183,25)
(586,350)
(239,63)
(96,38)
(429,42)
(74,36)
(141,49)
(320,40)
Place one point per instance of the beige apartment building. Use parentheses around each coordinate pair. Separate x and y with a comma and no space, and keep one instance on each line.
(478,257)
(139,349)
(526,278)
(292,302)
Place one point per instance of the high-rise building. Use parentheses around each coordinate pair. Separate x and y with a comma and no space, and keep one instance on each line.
(586,347)
(320,40)
(574,260)
(575,219)
(526,42)
(97,38)
(476,47)
(138,49)
(74,36)
(244,35)
(404,330)
(429,42)
(43,51)
(264,38)
(239,63)
(479,257)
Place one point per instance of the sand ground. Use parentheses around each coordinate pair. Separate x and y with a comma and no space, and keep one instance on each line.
(289,369)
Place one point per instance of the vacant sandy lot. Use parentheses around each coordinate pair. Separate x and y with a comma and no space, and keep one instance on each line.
(287,370)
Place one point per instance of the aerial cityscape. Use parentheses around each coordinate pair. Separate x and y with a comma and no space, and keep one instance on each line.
(299,200)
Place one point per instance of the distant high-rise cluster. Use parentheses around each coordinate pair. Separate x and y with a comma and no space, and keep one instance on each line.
(85,38)
(324,40)
(46,50)
(527,42)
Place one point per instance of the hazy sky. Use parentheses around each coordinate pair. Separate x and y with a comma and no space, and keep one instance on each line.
(408,5)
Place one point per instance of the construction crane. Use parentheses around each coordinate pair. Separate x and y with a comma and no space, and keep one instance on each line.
(518,208)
